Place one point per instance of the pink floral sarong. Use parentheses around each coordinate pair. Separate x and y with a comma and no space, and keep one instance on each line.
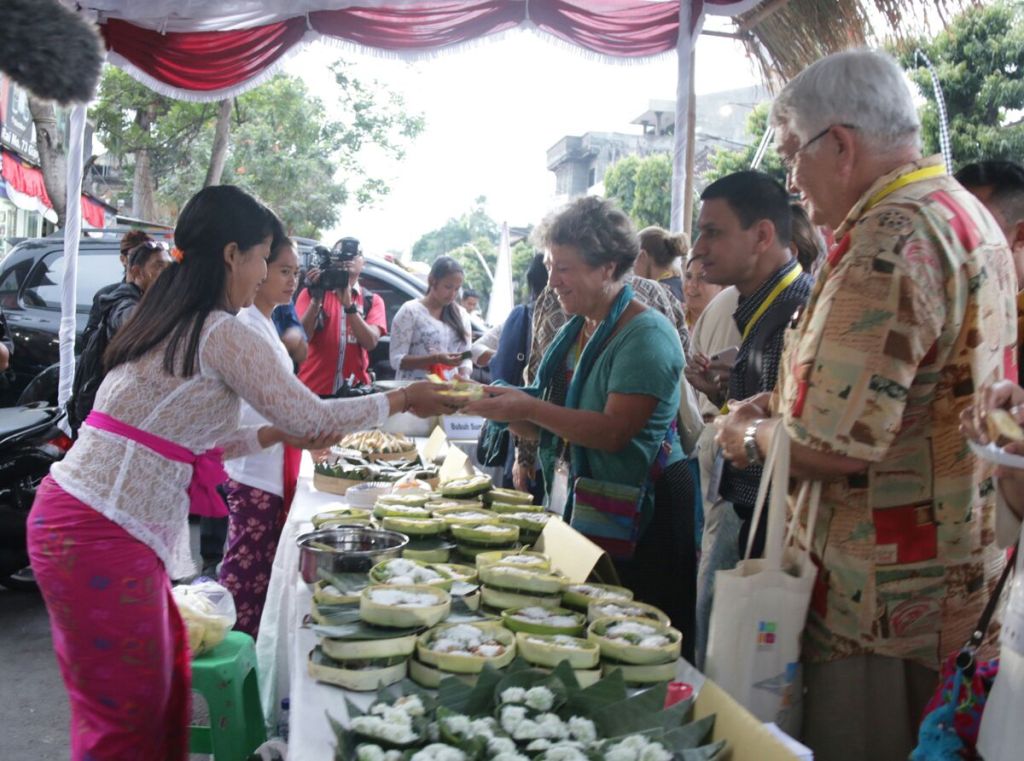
(119,640)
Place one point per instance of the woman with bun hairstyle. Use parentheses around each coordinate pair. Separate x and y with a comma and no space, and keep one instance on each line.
(659,250)
(109,529)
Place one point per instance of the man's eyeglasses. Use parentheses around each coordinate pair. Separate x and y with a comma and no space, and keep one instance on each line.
(790,161)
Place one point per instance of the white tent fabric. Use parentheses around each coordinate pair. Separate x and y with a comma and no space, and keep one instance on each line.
(72,232)
(222,15)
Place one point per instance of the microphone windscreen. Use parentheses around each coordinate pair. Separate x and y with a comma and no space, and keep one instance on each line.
(49,50)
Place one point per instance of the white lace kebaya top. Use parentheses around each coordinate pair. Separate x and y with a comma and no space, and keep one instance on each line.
(146,494)
(415,332)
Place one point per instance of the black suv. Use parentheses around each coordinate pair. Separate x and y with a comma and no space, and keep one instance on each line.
(30,286)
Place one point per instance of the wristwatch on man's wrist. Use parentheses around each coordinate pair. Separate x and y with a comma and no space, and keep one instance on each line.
(352,309)
(750,444)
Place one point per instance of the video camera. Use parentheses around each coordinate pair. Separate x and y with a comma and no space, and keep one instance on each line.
(333,264)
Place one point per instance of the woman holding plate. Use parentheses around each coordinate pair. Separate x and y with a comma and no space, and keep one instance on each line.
(603,406)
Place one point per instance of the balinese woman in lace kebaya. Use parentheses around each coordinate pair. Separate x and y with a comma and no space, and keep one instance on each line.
(108,530)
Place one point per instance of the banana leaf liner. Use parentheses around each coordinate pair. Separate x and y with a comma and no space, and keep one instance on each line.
(413,526)
(503,508)
(431,677)
(384,572)
(513,578)
(549,650)
(457,571)
(517,558)
(417,499)
(439,504)
(345,515)
(466,488)
(514,620)
(508,496)
(358,675)
(530,524)
(326,593)
(466,516)
(490,536)
(374,611)
(383,510)
(651,673)
(466,663)
(364,649)
(501,599)
(631,653)
(579,596)
(623,609)
(431,555)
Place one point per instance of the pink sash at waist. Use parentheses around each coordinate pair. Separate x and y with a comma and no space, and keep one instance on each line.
(207,468)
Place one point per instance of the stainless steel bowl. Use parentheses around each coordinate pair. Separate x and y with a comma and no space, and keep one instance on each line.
(346,549)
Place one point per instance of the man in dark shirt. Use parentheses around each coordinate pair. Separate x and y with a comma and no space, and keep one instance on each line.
(744,229)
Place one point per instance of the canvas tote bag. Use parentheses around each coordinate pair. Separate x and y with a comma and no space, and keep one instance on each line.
(759,608)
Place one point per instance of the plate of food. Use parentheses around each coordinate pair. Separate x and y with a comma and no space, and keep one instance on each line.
(1003,430)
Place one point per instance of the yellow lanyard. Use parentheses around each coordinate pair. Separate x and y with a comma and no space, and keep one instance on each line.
(782,285)
(925,173)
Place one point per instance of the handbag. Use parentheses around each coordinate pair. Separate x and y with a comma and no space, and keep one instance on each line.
(492,444)
(952,717)
(760,607)
(609,513)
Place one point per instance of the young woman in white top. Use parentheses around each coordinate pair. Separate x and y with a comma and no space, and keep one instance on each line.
(255,491)
(108,530)
(433,330)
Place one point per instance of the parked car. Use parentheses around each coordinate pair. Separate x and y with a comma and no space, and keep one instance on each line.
(31,277)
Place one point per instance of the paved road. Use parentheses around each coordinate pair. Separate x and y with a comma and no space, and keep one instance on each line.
(33,705)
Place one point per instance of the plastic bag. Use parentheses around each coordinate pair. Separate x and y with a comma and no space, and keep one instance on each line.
(208,610)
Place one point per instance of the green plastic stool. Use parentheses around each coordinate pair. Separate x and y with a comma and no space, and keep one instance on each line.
(226,678)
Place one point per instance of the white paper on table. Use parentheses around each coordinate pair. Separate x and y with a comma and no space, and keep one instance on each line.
(435,446)
(455,465)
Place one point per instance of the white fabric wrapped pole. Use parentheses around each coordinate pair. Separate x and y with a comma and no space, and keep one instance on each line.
(684,49)
(72,232)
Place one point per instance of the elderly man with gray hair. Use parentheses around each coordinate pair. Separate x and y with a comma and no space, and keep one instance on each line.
(911,313)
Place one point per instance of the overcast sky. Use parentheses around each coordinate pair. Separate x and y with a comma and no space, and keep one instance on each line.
(492,110)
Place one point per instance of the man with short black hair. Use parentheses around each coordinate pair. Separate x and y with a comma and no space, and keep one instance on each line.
(744,232)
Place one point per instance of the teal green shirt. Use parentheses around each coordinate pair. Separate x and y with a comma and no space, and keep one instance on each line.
(646,358)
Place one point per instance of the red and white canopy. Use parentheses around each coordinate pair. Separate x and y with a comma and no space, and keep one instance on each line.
(212,49)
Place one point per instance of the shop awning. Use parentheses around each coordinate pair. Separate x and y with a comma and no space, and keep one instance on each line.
(24,187)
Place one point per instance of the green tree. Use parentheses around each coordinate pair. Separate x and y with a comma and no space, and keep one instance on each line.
(457,231)
(522,255)
(979,59)
(281,144)
(726,161)
(642,187)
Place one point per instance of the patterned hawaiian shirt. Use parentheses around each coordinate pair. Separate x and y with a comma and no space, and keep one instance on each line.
(913,311)
(548,319)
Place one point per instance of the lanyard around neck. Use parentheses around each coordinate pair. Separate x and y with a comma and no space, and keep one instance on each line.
(782,285)
(925,173)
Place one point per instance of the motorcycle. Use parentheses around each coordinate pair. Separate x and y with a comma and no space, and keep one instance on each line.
(30,442)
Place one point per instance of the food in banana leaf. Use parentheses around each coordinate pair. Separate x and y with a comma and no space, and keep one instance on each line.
(409,498)
(359,675)
(413,526)
(462,488)
(378,442)
(518,578)
(507,496)
(551,649)
(623,609)
(403,605)
(343,515)
(385,510)
(639,641)
(579,596)
(466,516)
(540,620)
(518,558)
(490,536)
(508,507)
(465,648)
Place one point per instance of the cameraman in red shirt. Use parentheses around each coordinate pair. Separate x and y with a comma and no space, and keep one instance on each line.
(344,322)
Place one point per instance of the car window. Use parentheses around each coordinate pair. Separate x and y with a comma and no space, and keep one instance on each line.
(11,282)
(393,298)
(95,270)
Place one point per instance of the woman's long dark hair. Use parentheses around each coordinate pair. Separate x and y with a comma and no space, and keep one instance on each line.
(442,267)
(178,303)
